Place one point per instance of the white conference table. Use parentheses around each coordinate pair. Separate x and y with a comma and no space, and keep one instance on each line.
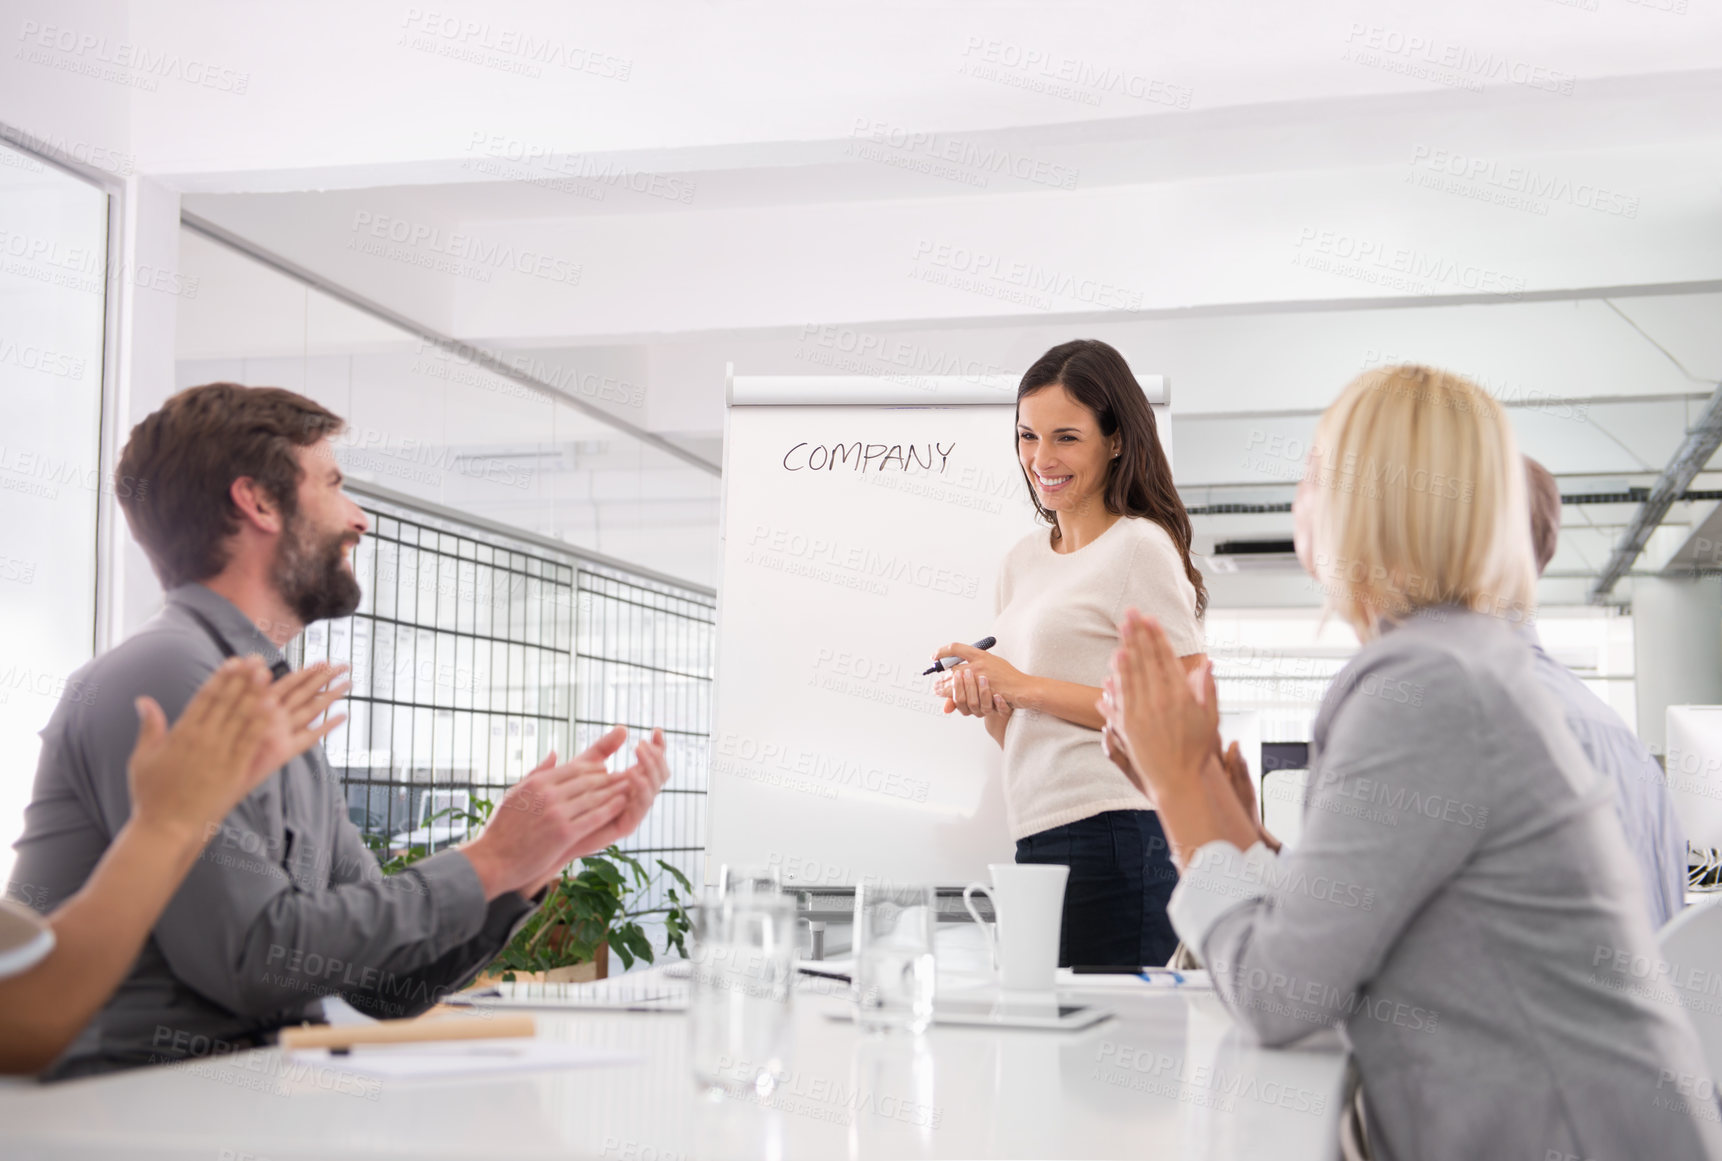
(1169,1077)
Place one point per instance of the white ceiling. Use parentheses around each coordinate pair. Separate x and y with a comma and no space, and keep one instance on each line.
(330,86)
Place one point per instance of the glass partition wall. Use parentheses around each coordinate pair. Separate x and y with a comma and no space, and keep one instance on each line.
(524,577)
(439,425)
(53,302)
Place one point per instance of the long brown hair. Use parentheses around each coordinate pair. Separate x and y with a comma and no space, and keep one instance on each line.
(1139,481)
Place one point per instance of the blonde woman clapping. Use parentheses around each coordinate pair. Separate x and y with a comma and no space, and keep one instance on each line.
(1461,893)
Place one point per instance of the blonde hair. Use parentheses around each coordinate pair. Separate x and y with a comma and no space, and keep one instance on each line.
(1422,500)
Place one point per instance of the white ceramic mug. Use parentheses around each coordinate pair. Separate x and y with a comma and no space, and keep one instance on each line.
(1028,903)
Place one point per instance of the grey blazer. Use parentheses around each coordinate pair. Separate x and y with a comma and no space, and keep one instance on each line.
(1462,902)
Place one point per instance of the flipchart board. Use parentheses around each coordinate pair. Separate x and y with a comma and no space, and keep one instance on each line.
(864,520)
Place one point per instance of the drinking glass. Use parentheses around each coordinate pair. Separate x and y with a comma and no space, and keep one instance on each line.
(894,967)
(742,972)
(749,880)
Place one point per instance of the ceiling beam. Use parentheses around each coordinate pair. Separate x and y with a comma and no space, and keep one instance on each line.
(1689,459)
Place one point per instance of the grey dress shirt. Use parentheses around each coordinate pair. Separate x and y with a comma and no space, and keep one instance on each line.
(284,906)
(1641,798)
(1463,905)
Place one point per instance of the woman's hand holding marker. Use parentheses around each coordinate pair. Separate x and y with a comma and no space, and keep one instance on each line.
(979,685)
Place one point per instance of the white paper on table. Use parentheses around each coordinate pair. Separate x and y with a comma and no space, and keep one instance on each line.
(337,1013)
(637,990)
(463,1058)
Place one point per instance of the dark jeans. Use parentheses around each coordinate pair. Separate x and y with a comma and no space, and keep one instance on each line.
(1121,877)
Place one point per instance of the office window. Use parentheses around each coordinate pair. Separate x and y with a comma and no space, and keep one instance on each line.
(54,283)
(1280,662)
(474,654)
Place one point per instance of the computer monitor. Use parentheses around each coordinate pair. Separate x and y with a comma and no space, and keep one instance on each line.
(1284,756)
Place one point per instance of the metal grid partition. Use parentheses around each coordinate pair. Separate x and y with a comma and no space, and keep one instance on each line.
(475,651)
(643,656)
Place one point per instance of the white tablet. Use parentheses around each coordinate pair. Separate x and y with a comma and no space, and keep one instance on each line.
(1020,1013)
(1013,1012)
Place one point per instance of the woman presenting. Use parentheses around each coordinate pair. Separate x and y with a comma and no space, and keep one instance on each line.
(1120,539)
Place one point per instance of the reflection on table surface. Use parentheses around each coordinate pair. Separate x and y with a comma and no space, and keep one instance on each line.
(1168,1076)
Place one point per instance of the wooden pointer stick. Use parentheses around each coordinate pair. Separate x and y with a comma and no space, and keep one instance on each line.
(408,1031)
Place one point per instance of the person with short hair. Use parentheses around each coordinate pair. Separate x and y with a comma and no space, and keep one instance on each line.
(1461,902)
(246,524)
(1641,798)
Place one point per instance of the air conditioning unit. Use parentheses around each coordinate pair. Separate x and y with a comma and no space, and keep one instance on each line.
(1254,556)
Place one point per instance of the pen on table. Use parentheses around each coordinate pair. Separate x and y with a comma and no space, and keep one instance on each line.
(824,975)
(945,663)
(1148,974)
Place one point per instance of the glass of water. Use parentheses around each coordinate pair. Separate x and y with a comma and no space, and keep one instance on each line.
(894,967)
(742,973)
(748,880)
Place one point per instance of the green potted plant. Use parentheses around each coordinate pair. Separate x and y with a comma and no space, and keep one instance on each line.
(594,908)
(587,912)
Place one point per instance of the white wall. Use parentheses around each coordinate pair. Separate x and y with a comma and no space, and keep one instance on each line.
(1678,641)
(148,308)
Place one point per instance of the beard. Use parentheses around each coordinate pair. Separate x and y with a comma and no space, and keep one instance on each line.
(311,575)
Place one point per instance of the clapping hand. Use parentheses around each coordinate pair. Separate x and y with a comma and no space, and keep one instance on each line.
(564,811)
(236,730)
(299,699)
(1112,745)
(642,781)
(1243,788)
(1167,720)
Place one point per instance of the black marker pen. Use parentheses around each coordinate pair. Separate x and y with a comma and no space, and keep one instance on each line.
(945,663)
